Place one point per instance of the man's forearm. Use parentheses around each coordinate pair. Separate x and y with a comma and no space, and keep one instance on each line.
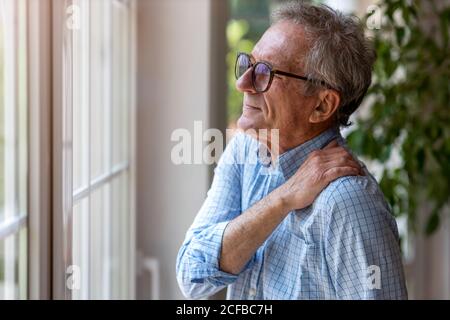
(247,232)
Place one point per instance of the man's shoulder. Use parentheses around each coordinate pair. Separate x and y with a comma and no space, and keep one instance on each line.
(355,205)
(351,187)
(353,197)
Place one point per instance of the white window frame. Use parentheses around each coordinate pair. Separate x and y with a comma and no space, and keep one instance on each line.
(14,219)
(49,182)
(40,143)
(63,196)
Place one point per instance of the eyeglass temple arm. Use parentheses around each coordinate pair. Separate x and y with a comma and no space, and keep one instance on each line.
(288,74)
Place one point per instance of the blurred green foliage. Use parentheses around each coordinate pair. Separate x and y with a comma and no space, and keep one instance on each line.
(236,30)
(248,21)
(409,109)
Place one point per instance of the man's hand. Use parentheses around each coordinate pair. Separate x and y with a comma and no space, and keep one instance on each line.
(320,168)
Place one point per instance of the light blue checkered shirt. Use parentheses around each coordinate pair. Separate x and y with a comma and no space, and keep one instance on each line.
(343,246)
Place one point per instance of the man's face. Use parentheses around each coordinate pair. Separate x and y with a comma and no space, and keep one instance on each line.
(283,106)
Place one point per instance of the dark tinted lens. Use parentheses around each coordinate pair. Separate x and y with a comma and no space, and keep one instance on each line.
(242,65)
(261,77)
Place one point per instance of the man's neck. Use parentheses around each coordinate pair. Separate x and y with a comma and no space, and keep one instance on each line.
(288,142)
(285,142)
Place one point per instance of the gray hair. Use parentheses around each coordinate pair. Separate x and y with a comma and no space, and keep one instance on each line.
(339,54)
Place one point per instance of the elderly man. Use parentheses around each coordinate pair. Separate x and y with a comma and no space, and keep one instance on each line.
(317,225)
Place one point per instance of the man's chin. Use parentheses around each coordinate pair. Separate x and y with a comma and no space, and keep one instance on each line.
(249,126)
(246,123)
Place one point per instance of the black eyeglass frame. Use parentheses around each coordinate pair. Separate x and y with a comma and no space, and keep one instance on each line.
(273,72)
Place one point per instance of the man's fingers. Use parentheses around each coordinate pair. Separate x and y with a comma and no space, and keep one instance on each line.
(334,156)
(341,162)
(340,157)
(337,172)
(335,153)
(329,154)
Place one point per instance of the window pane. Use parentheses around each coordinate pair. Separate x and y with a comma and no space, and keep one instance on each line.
(121,82)
(98,230)
(13,109)
(13,266)
(22,108)
(81,98)
(2,126)
(13,146)
(100,70)
(100,243)
(22,264)
(2,270)
(120,238)
(80,248)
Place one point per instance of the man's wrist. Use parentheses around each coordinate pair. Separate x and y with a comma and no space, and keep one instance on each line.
(281,198)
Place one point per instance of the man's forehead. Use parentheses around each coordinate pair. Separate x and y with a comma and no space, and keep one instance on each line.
(283,45)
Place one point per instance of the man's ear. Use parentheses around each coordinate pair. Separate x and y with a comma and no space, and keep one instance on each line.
(328,102)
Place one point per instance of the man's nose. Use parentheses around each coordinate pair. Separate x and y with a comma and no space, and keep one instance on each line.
(244,83)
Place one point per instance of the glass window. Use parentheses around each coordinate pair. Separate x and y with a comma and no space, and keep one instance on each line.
(81,94)
(98,80)
(120,268)
(13,266)
(13,149)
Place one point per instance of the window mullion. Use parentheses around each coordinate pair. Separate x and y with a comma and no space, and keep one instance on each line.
(88,20)
(11,226)
(109,145)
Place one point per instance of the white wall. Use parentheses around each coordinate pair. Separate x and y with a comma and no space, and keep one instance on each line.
(428,273)
(175,87)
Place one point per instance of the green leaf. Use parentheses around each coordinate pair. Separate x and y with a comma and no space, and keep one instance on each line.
(356,141)
(444,24)
(400,34)
(236,30)
(432,223)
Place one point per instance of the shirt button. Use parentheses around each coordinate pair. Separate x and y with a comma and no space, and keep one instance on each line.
(252,292)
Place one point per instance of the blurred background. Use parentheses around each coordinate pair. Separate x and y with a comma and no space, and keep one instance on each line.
(91,204)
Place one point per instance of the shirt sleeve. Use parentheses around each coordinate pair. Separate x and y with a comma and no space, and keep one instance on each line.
(362,244)
(197,267)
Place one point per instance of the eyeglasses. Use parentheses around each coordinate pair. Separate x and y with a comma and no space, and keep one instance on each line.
(263,73)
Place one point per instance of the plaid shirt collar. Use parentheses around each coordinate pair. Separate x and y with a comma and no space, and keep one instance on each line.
(289,161)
